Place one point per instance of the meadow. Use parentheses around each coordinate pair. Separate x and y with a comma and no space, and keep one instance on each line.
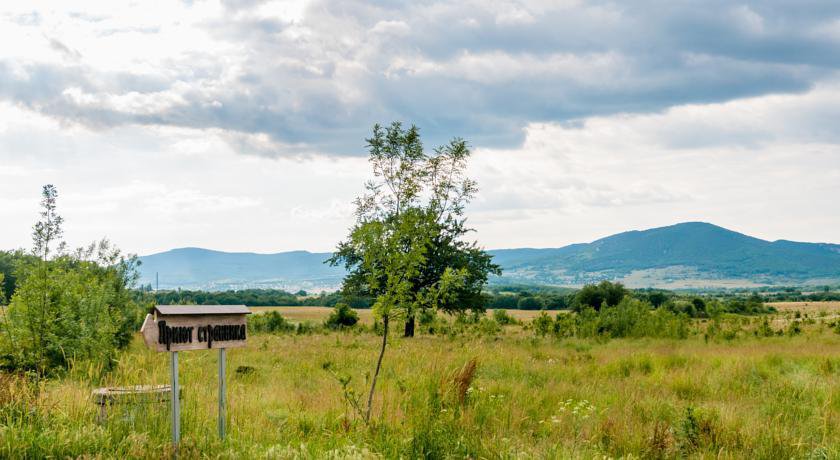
(473,394)
(299,314)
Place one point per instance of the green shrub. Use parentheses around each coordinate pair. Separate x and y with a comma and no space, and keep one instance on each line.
(795,328)
(488,326)
(764,329)
(69,309)
(630,318)
(564,325)
(271,322)
(502,317)
(543,324)
(305,328)
(427,316)
(342,316)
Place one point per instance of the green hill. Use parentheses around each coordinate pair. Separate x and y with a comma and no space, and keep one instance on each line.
(692,254)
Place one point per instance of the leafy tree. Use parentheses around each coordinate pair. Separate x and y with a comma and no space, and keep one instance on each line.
(68,307)
(657,298)
(529,303)
(699,307)
(9,260)
(407,249)
(596,295)
(415,204)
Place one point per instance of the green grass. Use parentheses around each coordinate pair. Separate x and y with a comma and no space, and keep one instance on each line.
(749,397)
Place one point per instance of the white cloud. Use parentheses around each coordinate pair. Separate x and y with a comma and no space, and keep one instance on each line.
(752,167)
(240,125)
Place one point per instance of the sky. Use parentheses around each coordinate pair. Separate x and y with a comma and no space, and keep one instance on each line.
(240,125)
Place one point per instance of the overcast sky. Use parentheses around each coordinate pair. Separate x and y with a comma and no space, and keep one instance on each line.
(240,125)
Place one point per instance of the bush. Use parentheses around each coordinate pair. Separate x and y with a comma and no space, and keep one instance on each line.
(564,325)
(503,318)
(71,308)
(305,328)
(271,322)
(543,324)
(795,328)
(487,326)
(764,329)
(342,316)
(630,318)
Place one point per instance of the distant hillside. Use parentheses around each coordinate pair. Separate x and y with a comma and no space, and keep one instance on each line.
(692,254)
(193,268)
(683,255)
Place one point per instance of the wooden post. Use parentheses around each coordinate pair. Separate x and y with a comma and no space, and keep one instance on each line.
(176,403)
(174,328)
(222,393)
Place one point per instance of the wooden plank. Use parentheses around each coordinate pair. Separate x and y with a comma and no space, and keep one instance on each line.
(133,394)
(194,332)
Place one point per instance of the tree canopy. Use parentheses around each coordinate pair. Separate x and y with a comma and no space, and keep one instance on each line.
(67,306)
(407,249)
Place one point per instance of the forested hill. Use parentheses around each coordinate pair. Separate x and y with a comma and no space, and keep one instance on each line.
(690,254)
(682,255)
(216,270)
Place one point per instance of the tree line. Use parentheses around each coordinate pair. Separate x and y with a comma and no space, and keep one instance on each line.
(517,297)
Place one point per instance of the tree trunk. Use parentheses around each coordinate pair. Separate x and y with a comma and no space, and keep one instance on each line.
(409,326)
(378,366)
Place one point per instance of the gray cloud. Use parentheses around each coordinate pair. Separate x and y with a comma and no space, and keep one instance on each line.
(481,71)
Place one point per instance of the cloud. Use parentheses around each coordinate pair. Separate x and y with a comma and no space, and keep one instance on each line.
(767,165)
(314,76)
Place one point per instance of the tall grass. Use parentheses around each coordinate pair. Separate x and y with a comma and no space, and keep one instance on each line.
(502,394)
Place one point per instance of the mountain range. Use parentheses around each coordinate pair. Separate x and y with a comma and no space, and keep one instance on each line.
(685,255)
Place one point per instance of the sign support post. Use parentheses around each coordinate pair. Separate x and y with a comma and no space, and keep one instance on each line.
(174,328)
(222,393)
(176,403)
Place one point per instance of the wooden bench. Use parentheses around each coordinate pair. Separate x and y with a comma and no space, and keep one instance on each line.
(138,394)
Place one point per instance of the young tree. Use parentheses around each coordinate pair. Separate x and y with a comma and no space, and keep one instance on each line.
(407,249)
(68,307)
(430,191)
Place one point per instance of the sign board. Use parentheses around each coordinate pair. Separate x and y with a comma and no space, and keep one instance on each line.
(175,328)
(195,327)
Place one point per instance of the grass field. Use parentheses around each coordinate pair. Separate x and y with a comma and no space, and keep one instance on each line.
(319,314)
(748,397)
(807,307)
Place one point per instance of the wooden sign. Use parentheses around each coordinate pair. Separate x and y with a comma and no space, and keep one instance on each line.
(175,328)
(195,327)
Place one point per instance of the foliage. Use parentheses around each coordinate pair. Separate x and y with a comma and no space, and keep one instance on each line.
(256,298)
(68,307)
(597,295)
(9,261)
(752,305)
(630,318)
(270,321)
(543,324)
(528,297)
(407,249)
(525,398)
(503,318)
(342,316)
(529,303)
